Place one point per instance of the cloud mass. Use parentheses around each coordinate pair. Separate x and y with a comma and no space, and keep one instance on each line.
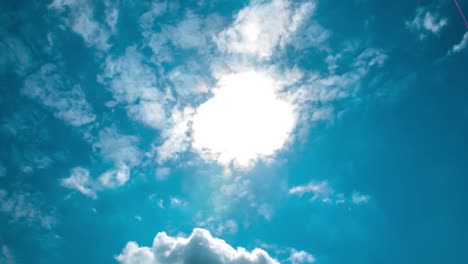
(199,247)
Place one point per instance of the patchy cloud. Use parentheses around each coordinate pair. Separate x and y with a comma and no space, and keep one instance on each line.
(299,257)
(65,100)
(26,207)
(321,191)
(81,181)
(257,32)
(121,149)
(134,84)
(426,22)
(199,247)
(7,257)
(115,177)
(79,15)
(176,136)
(359,198)
(16,55)
(460,46)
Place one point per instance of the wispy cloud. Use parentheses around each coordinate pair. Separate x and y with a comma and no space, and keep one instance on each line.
(257,32)
(17,56)
(121,149)
(133,83)
(176,136)
(66,100)
(26,207)
(299,257)
(7,256)
(79,15)
(460,46)
(426,22)
(321,191)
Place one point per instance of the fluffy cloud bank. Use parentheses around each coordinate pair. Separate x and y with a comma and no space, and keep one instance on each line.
(199,247)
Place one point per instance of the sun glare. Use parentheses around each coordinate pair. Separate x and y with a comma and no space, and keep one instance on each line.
(244,121)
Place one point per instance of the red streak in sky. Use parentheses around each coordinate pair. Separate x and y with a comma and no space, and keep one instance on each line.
(461,13)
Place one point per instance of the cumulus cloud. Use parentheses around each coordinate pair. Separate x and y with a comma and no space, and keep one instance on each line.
(66,101)
(81,181)
(199,247)
(426,22)
(79,16)
(460,46)
(26,207)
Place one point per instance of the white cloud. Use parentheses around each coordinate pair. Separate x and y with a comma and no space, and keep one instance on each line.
(359,198)
(462,45)
(266,211)
(147,19)
(321,191)
(162,173)
(199,247)
(192,32)
(176,138)
(81,181)
(134,83)
(68,102)
(257,32)
(426,22)
(121,149)
(27,207)
(176,202)
(299,257)
(115,177)
(246,120)
(235,130)
(111,14)
(80,18)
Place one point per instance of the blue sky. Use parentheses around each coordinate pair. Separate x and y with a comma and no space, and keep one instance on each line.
(233,132)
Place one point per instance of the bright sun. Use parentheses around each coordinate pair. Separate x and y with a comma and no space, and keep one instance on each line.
(244,121)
